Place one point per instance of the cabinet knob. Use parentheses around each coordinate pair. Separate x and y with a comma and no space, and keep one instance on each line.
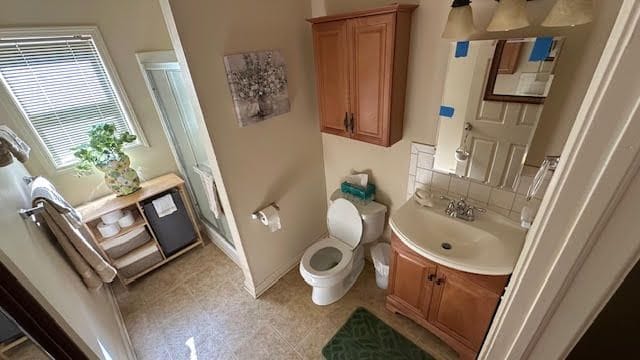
(431,277)
(440,281)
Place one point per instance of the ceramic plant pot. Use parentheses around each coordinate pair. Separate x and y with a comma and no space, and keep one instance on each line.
(120,178)
(265,103)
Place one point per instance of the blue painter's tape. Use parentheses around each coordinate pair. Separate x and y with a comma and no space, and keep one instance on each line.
(446,111)
(462,49)
(541,48)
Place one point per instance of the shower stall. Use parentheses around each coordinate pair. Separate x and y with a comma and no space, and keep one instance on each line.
(187,137)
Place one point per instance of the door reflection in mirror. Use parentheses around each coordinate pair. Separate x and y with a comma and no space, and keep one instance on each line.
(502,127)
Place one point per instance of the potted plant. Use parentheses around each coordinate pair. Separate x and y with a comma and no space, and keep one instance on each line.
(104,152)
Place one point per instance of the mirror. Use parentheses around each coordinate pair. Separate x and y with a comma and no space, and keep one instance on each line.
(522,70)
(487,140)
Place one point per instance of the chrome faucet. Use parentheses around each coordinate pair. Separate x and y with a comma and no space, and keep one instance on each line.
(461,210)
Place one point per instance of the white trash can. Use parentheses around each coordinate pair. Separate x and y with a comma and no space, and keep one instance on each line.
(380,255)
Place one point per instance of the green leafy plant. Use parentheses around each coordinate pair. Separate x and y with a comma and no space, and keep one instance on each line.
(104,146)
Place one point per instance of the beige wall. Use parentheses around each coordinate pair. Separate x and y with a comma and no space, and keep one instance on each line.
(427,68)
(279,159)
(127,27)
(90,318)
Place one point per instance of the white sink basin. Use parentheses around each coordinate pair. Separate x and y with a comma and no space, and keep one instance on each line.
(490,245)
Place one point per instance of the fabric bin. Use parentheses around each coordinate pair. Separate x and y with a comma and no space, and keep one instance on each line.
(174,231)
(121,245)
(138,260)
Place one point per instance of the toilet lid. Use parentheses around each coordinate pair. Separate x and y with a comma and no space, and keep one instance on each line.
(344,222)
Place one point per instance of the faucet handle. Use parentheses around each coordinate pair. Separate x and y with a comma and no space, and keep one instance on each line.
(479,209)
(470,213)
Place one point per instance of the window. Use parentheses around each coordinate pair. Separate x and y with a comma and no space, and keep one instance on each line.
(62,87)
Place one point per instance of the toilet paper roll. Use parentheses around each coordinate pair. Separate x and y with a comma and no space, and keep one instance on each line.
(270,217)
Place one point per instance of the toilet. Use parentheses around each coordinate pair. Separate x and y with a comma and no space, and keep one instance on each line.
(332,265)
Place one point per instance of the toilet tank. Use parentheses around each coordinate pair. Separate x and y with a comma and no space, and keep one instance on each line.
(373,217)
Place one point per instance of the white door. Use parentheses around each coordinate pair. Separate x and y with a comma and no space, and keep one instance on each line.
(89,317)
(501,131)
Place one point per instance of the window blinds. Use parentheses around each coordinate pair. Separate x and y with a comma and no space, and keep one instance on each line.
(62,87)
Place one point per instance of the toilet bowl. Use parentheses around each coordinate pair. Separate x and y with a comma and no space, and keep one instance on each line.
(332,265)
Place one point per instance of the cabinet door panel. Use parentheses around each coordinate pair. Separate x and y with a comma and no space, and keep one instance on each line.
(332,79)
(461,308)
(371,65)
(410,282)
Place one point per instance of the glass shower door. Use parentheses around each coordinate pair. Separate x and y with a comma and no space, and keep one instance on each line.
(170,92)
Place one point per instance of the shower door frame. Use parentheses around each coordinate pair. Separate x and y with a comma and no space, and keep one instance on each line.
(166,60)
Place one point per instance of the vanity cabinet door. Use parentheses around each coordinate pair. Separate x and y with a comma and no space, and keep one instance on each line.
(410,279)
(371,68)
(461,307)
(332,78)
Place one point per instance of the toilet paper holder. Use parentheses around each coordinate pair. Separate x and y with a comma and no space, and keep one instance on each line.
(256,214)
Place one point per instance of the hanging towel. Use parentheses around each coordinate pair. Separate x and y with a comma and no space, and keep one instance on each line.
(210,190)
(12,146)
(164,205)
(538,179)
(42,189)
(88,263)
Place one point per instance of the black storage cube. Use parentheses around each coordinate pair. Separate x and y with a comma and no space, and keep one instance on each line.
(174,231)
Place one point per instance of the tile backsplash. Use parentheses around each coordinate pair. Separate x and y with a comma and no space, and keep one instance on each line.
(503,201)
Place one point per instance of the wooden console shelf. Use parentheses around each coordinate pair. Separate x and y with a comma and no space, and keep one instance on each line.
(454,305)
(92,211)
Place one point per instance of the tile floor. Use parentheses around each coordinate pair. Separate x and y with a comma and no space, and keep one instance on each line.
(196,308)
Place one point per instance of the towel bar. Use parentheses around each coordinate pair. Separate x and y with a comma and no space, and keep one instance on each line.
(27,213)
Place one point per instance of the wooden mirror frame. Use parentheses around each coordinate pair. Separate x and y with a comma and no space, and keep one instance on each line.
(493,75)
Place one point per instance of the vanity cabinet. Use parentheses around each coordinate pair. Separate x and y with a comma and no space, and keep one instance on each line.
(361,70)
(456,306)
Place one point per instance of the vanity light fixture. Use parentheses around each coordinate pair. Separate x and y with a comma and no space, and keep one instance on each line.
(510,15)
(460,22)
(569,13)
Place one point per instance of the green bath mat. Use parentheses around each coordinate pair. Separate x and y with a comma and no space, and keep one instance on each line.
(364,336)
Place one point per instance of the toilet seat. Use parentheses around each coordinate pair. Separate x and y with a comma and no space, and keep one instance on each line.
(344,264)
(345,231)
(344,223)
(332,265)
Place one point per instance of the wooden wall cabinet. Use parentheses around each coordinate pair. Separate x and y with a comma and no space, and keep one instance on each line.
(361,72)
(456,306)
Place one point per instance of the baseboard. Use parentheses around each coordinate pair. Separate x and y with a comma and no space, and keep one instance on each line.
(270,280)
(121,324)
(222,244)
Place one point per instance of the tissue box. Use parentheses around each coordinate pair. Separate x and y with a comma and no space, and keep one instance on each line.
(360,192)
